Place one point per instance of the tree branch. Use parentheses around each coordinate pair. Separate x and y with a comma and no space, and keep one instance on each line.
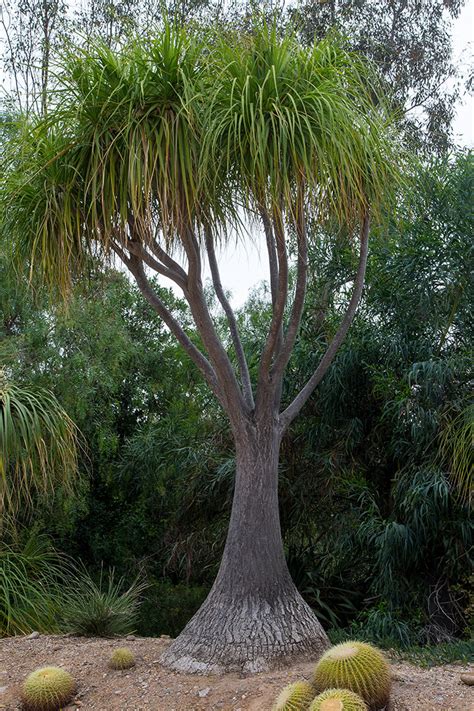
(292,410)
(272,256)
(138,250)
(298,303)
(194,293)
(135,265)
(239,351)
(279,296)
(164,257)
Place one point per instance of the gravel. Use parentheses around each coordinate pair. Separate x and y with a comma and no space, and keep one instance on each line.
(150,687)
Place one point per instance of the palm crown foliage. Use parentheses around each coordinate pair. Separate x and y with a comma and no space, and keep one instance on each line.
(173,134)
(286,119)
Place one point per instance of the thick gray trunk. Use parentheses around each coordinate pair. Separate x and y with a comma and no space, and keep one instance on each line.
(254,618)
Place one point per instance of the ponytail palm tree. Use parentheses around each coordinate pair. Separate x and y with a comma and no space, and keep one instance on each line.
(153,154)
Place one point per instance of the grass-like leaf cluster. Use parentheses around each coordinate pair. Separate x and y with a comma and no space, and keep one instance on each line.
(101,609)
(30,587)
(38,445)
(44,591)
(174,133)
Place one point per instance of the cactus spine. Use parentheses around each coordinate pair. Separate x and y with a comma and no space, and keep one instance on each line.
(338,700)
(122,658)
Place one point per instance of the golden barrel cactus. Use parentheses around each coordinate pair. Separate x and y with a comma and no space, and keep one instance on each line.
(356,666)
(295,697)
(48,689)
(338,700)
(122,658)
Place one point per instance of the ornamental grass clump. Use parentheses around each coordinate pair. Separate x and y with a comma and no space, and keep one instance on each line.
(294,697)
(101,609)
(356,666)
(48,689)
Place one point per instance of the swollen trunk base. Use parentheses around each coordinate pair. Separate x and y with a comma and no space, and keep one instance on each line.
(254,618)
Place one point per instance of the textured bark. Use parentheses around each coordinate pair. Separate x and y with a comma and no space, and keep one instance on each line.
(254,618)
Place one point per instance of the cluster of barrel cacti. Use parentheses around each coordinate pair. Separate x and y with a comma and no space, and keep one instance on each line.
(52,688)
(353,676)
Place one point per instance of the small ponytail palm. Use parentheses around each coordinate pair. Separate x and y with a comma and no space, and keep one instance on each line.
(38,445)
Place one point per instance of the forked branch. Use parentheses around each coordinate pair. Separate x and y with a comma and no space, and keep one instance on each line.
(279,283)
(135,265)
(293,409)
(140,251)
(231,392)
(298,303)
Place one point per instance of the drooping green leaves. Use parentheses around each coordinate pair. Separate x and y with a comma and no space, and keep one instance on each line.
(175,133)
(284,119)
(38,445)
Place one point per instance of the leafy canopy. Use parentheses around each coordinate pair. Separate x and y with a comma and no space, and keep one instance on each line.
(173,133)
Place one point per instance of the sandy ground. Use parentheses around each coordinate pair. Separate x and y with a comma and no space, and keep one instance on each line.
(150,687)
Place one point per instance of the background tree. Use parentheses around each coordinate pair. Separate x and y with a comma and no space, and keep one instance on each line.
(32,34)
(154,149)
(410,42)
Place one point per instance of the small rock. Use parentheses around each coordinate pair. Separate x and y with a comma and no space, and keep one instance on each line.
(204,692)
(3,689)
(468,678)
(33,635)
(165,636)
(130,636)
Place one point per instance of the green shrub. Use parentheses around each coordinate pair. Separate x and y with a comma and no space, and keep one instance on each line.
(102,609)
(382,626)
(438,654)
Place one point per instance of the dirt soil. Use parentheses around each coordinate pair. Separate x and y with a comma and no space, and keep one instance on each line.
(150,687)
